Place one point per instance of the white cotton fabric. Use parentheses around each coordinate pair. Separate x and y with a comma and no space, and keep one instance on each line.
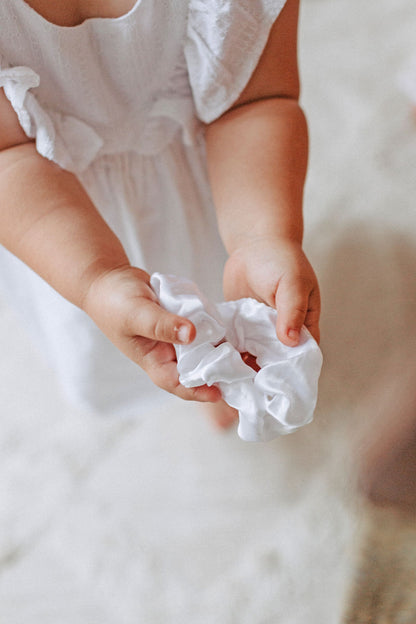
(281,396)
(119,102)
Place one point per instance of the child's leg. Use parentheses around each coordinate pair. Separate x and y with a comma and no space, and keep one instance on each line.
(388,469)
(391,476)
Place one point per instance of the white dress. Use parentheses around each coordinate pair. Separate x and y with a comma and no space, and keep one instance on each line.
(119,102)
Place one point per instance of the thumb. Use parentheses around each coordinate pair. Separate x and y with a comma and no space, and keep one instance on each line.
(153,322)
(292,298)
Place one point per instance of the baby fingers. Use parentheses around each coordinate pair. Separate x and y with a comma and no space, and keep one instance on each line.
(297,304)
(312,316)
(151,321)
(159,361)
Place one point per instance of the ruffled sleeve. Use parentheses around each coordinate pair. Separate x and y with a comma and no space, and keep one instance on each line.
(225,39)
(68,141)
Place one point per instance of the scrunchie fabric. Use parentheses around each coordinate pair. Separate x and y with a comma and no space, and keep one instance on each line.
(276,400)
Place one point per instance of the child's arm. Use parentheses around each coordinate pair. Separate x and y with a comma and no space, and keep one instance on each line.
(49,222)
(257,158)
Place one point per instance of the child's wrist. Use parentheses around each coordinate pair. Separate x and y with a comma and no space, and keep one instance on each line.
(257,240)
(96,274)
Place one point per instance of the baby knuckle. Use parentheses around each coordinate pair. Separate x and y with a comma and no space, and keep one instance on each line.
(304,284)
(194,394)
(139,348)
(159,378)
(313,315)
(300,310)
(198,394)
(133,321)
(161,328)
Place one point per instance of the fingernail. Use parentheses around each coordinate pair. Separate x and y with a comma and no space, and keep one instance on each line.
(293,334)
(184,333)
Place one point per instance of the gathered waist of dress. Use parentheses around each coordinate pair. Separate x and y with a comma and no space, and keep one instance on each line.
(151,135)
(74,143)
(77,144)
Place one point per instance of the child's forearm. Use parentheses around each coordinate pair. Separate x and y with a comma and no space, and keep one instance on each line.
(257,159)
(49,222)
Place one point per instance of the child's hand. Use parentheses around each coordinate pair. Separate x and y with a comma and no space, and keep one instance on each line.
(277,272)
(123,305)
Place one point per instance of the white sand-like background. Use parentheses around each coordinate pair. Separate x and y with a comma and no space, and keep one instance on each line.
(166,521)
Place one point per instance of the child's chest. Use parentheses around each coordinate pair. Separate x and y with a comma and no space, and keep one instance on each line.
(74,12)
(114,74)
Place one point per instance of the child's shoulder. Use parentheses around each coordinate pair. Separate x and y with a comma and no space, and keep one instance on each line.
(225,40)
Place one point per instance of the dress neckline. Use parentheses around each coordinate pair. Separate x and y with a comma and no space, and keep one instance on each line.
(86,22)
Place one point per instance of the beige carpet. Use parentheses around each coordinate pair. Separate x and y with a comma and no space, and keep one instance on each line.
(383,589)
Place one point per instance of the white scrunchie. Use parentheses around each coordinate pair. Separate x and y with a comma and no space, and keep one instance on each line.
(281,396)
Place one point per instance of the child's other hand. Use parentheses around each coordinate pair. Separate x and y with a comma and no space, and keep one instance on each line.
(277,272)
(124,306)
